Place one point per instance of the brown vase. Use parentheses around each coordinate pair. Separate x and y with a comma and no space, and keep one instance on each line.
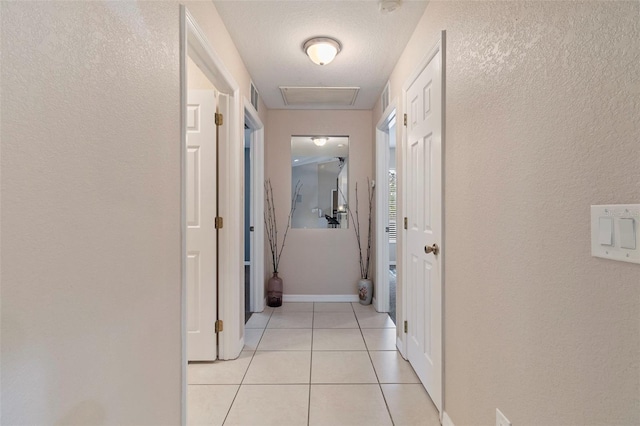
(274,291)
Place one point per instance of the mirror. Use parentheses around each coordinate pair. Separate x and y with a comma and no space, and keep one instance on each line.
(320,164)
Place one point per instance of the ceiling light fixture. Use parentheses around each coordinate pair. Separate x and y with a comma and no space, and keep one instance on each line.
(321,50)
(389,6)
(319,141)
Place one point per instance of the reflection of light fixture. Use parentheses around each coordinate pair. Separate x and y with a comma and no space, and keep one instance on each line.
(321,50)
(296,160)
(389,6)
(319,141)
(340,145)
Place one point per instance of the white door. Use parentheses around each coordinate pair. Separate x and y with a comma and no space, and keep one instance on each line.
(423,271)
(201,232)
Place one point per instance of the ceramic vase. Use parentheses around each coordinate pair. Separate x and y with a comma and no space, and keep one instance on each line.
(365,291)
(274,291)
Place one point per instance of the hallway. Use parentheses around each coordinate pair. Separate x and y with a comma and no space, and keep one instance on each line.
(311,364)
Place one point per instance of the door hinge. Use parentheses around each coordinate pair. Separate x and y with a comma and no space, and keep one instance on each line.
(405,119)
(219,119)
(219,326)
(406,326)
(218,222)
(406,223)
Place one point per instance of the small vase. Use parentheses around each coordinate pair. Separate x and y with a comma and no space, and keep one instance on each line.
(365,291)
(274,291)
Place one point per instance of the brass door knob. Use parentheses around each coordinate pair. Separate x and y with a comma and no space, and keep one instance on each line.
(432,249)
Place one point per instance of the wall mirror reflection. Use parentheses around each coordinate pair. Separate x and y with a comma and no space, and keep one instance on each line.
(320,164)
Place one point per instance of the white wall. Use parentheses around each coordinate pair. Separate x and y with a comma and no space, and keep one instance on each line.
(543,118)
(91,321)
(90,180)
(318,261)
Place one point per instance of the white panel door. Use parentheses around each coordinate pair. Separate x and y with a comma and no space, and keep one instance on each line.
(423,271)
(201,232)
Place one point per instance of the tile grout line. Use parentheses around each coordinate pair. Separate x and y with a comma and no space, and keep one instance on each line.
(248,366)
(384,398)
(313,317)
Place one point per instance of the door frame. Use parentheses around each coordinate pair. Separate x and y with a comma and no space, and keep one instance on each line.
(257,273)
(194,43)
(439,46)
(381,301)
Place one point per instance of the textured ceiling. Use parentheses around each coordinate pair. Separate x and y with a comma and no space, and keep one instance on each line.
(269,36)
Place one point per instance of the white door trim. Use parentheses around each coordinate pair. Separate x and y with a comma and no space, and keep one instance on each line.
(382,211)
(183,214)
(256,219)
(193,43)
(438,47)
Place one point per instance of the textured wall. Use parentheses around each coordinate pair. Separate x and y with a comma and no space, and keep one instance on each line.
(91,322)
(318,261)
(209,21)
(543,120)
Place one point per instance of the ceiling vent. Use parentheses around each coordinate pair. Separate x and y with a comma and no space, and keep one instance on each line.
(316,96)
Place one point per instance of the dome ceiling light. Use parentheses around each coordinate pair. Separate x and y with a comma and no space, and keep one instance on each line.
(321,50)
(319,141)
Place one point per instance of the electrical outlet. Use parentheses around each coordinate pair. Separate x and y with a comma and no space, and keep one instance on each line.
(501,419)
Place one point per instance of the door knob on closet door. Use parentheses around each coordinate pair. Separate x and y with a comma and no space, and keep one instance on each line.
(432,249)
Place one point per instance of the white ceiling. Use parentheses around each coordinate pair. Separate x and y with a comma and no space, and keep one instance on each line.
(269,36)
(303,150)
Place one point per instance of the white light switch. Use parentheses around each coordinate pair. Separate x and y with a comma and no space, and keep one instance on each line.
(605,231)
(627,233)
(615,232)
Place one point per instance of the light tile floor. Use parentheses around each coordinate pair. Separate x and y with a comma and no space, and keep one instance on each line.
(312,364)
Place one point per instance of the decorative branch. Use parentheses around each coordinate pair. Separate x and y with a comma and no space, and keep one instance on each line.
(271,224)
(355,220)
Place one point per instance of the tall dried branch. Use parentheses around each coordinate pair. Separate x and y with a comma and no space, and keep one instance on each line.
(365,261)
(271,223)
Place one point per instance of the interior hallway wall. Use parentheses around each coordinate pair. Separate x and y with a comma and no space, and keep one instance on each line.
(543,118)
(90,184)
(91,267)
(318,261)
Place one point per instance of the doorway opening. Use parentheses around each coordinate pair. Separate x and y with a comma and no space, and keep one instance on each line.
(227,218)
(204,103)
(227,296)
(386,212)
(248,228)
(423,249)
(392,190)
(254,211)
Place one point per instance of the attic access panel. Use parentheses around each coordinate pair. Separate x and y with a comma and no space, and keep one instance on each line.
(316,96)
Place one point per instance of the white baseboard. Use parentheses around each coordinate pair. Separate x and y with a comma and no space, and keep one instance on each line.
(446,420)
(400,346)
(320,298)
(261,308)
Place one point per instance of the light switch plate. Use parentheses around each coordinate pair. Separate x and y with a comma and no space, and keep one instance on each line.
(628,238)
(625,232)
